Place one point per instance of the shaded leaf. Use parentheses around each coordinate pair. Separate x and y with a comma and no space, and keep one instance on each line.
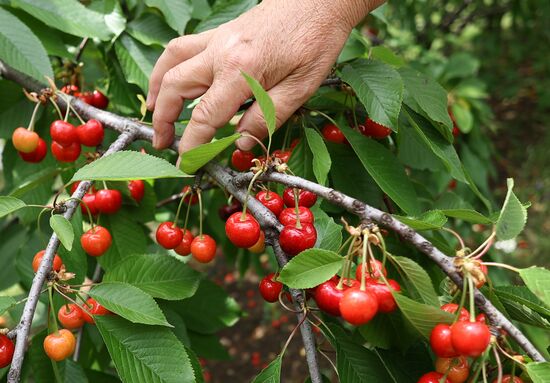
(270,374)
(176,12)
(537,280)
(539,372)
(6,303)
(264,101)
(63,229)
(513,215)
(10,204)
(149,28)
(419,279)
(224,12)
(321,157)
(421,316)
(136,60)
(430,220)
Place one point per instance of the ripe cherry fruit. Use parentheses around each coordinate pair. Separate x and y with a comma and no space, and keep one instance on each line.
(284,156)
(108,201)
(59,345)
(453,307)
(99,100)
(86,97)
(184,248)
(358,306)
(457,369)
(432,377)
(376,270)
(328,296)
(305,198)
(258,247)
(64,133)
(333,134)
(374,129)
(137,190)
(70,89)
(169,235)
(288,215)
(92,307)
(192,197)
(6,350)
(242,230)
(295,239)
(66,154)
(24,140)
(57,262)
(440,340)
(71,316)
(91,133)
(242,160)
(509,379)
(37,155)
(271,200)
(470,338)
(226,210)
(89,201)
(203,248)
(96,241)
(383,294)
(270,288)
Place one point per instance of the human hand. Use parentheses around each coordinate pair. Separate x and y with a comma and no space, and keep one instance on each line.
(288,46)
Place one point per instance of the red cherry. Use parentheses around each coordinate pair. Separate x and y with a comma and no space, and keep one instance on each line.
(226,210)
(75,185)
(453,307)
(66,154)
(284,156)
(64,133)
(92,307)
(470,338)
(184,248)
(328,296)
(70,316)
(270,289)
(108,201)
(288,215)
(457,369)
(374,129)
(37,155)
(24,140)
(294,240)
(6,350)
(259,246)
(99,100)
(137,190)
(242,231)
(375,267)
(357,306)
(305,198)
(481,318)
(91,133)
(96,241)
(432,377)
(294,143)
(70,89)
(333,134)
(169,235)
(509,379)
(57,262)
(59,345)
(191,198)
(242,160)
(271,200)
(203,248)
(440,340)
(89,200)
(87,97)
(386,301)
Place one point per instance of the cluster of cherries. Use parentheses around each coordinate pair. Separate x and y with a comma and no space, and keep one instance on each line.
(95,98)
(369,129)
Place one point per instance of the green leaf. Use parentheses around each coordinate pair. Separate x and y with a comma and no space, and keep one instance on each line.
(430,220)
(136,60)
(21,49)
(386,55)
(379,87)
(196,158)
(176,12)
(429,96)
(421,316)
(160,276)
(149,28)
(522,295)
(463,116)
(6,303)
(63,229)
(208,346)
(272,373)
(142,353)
(70,16)
(310,268)
(329,233)
(33,181)
(539,372)
(467,215)
(321,157)
(209,310)
(10,204)
(537,280)
(224,12)
(265,102)
(385,169)
(129,302)
(127,165)
(419,279)
(513,215)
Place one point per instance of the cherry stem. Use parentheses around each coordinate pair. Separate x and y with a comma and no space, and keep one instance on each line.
(484,372)
(33,117)
(503,265)
(90,216)
(39,227)
(280,297)
(186,217)
(458,237)
(105,185)
(472,293)
(347,265)
(353,111)
(57,109)
(200,212)
(76,114)
(296,208)
(266,150)
(180,204)
(248,190)
(499,365)
(364,260)
(68,101)
(462,300)
(483,245)
(383,246)
(292,334)
(480,366)
(344,244)
(53,319)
